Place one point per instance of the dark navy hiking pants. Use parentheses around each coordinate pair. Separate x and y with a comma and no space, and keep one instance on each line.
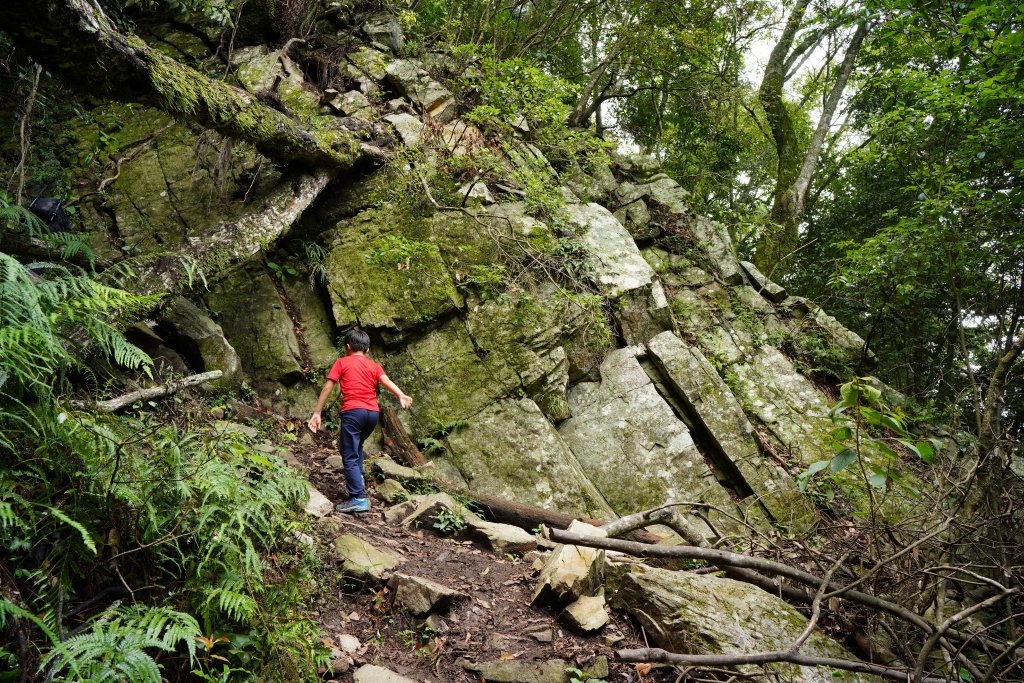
(356,426)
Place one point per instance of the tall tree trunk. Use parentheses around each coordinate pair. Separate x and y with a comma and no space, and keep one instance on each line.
(775,244)
(77,40)
(795,167)
(803,180)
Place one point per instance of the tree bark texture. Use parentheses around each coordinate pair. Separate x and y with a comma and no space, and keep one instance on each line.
(234,241)
(795,169)
(75,39)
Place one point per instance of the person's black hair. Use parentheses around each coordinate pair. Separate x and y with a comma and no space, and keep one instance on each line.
(357,339)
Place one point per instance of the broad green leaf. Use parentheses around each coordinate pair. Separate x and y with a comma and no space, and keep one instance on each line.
(843,460)
(878,480)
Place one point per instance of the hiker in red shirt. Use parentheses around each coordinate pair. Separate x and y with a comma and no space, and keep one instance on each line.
(357,376)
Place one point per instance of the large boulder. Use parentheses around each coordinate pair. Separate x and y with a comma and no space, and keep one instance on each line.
(449,379)
(257,324)
(621,273)
(187,327)
(380,277)
(511,450)
(703,614)
(708,399)
(615,260)
(631,444)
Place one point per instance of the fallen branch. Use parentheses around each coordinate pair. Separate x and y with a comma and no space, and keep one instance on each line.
(115,404)
(659,656)
(668,517)
(724,558)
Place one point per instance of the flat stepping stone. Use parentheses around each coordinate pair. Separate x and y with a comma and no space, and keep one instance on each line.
(318,505)
(361,560)
(372,673)
(510,671)
(422,596)
(502,538)
(390,469)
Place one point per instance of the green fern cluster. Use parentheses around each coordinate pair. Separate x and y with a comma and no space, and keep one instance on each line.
(90,501)
(44,307)
(115,648)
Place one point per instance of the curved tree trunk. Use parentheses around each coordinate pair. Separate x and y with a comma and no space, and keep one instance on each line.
(75,39)
(795,166)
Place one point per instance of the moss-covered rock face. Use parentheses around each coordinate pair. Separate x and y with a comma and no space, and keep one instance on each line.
(450,380)
(700,614)
(263,70)
(314,318)
(201,339)
(511,450)
(729,432)
(631,444)
(384,274)
(174,184)
(256,323)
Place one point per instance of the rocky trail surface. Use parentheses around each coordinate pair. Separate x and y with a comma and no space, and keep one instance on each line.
(487,629)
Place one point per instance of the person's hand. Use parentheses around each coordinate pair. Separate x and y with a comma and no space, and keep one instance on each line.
(405,400)
(314,422)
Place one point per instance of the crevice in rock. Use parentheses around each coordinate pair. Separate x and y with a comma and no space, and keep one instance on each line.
(297,327)
(725,471)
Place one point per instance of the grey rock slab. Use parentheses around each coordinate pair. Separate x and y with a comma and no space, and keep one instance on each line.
(408,127)
(768,289)
(353,102)
(768,385)
(362,560)
(318,505)
(512,671)
(701,614)
(384,28)
(714,240)
(411,80)
(631,444)
(511,450)
(422,596)
(710,400)
(371,673)
(503,538)
(617,263)
(335,461)
(587,614)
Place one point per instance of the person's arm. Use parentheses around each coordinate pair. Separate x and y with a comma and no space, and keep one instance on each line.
(325,393)
(404,399)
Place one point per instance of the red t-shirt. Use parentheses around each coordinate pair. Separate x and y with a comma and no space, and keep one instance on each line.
(358,377)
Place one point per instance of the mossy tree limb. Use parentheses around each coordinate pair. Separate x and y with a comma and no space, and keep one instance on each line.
(233,241)
(76,39)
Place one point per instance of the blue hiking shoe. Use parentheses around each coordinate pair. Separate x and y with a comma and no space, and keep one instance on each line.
(354,505)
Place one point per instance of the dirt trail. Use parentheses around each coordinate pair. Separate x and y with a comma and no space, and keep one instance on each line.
(496,623)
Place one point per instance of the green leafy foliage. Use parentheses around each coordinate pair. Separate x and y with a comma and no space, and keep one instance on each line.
(865,424)
(192,509)
(115,647)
